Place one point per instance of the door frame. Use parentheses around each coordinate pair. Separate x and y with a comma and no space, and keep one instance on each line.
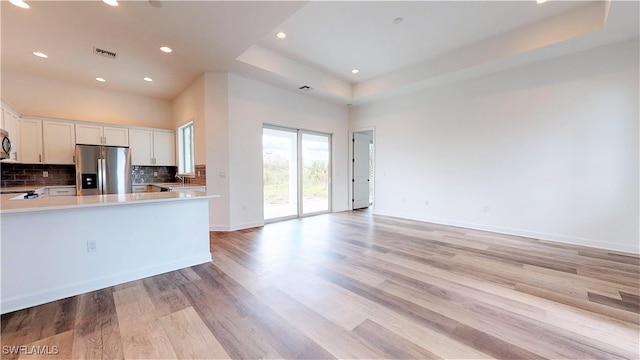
(375,168)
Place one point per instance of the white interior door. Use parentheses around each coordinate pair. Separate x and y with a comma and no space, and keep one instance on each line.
(360,170)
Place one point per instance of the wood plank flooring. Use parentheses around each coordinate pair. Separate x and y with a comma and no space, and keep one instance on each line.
(354,285)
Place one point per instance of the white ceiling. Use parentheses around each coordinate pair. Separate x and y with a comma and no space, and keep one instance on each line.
(436,41)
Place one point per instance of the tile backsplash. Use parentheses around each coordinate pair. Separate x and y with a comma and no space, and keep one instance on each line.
(12,174)
(200,176)
(153,174)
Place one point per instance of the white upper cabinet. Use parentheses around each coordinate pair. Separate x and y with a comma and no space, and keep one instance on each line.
(101,135)
(11,124)
(89,134)
(141,145)
(116,136)
(164,148)
(152,147)
(50,141)
(30,141)
(59,142)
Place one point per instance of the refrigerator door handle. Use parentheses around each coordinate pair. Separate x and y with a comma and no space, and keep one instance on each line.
(104,174)
(100,175)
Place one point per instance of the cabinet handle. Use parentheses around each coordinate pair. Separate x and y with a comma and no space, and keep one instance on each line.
(105,140)
(16,156)
(74,159)
(39,157)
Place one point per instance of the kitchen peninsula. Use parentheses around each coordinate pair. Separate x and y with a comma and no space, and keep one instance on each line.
(55,247)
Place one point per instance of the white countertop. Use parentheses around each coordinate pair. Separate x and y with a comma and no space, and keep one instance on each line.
(48,203)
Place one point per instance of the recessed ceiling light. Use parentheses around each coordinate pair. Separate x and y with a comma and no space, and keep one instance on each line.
(166,49)
(147,79)
(281,35)
(19,3)
(111,2)
(398,20)
(541,1)
(39,54)
(101,79)
(355,71)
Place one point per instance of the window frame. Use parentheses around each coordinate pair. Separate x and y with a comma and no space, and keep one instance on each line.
(182,154)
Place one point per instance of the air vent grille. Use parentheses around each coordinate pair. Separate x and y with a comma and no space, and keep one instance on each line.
(305,88)
(105,53)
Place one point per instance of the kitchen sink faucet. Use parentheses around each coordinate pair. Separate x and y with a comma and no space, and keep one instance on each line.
(181,178)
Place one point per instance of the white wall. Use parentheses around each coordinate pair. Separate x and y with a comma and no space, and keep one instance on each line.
(252,103)
(549,150)
(189,105)
(36,96)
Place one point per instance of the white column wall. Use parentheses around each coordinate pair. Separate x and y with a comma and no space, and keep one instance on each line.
(217,148)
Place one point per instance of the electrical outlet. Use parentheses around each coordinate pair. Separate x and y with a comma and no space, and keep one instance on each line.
(92,245)
(155,173)
(198,173)
(222,174)
(45,174)
(485,208)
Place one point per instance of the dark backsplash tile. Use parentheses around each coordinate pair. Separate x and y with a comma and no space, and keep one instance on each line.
(12,174)
(153,174)
(32,174)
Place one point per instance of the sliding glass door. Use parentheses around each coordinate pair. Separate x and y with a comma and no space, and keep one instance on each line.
(296,171)
(280,173)
(315,173)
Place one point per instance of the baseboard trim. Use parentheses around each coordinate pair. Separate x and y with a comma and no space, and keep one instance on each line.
(45,296)
(526,233)
(235,227)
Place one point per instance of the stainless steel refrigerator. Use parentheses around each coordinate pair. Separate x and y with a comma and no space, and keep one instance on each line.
(103,170)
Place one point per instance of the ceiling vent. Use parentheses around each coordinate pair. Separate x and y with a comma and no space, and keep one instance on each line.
(305,88)
(105,53)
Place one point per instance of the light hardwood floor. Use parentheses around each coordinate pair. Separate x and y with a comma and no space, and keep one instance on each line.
(353,285)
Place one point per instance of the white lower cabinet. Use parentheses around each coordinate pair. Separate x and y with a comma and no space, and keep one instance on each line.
(139,188)
(62,191)
(190,188)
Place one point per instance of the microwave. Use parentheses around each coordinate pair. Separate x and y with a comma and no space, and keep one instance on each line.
(6,145)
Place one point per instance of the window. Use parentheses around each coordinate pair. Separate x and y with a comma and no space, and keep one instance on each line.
(185,149)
